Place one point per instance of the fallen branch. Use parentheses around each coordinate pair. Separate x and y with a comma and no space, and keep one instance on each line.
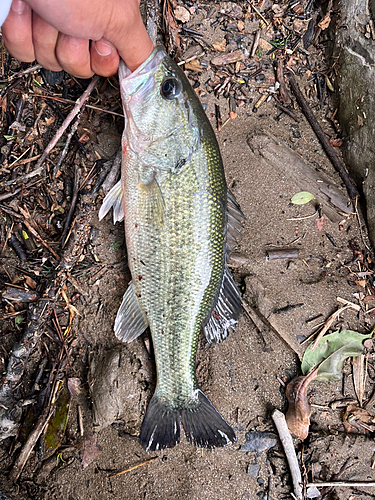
(287,442)
(350,186)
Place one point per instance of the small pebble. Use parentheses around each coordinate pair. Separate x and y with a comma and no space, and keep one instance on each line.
(253,470)
(313,492)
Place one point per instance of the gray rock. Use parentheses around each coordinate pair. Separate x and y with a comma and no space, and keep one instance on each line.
(259,441)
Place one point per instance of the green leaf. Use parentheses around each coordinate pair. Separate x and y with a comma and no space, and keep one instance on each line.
(57,424)
(18,320)
(335,348)
(302,198)
(116,245)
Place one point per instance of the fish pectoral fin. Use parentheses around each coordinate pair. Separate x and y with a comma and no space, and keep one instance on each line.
(203,424)
(151,202)
(131,321)
(226,311)
(234,222)
(113,199)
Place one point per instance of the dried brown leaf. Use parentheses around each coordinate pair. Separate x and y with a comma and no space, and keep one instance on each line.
(358,377)
(369,299)
(320,223)
(230,58)
(91,450)
(240,25)
(361,283)
(194,65)
(74,386)
(336,143)
(325,22)
(30,282)
(181,14)
(220,46)
(299,409)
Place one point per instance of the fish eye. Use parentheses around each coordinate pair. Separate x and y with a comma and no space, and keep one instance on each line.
(170,88)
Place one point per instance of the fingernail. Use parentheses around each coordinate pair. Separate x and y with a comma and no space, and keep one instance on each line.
(18,6)
(103,48)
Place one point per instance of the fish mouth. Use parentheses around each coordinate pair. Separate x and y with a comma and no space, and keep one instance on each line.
(133,82)
(136,86)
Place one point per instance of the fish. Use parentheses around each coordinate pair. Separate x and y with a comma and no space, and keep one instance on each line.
(181,223)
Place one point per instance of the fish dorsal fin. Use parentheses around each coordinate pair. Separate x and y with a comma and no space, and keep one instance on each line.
(151,206)
(226,311)
(113,199)
(131,321)
(234,222)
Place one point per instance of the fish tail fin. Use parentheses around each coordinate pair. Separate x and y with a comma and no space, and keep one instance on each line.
(203,425)
(161,427)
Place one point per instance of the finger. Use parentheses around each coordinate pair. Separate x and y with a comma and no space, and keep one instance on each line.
(45,41)
(104,58)
(133,44)
(17,32)
(73,55)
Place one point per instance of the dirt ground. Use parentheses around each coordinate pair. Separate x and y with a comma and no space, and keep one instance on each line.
(244,376)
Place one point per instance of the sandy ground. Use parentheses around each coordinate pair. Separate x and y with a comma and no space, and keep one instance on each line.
(242,375)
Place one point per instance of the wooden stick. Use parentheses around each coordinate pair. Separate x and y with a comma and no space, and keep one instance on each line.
(259,14)
(350,186)
(287,442)
(39,238)
(340,484)
(134,467)
(327,325)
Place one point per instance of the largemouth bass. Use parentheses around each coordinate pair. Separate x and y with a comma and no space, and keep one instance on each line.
(180,224)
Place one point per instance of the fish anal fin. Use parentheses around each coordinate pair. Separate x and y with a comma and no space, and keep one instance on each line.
(113,199)
(151,206)
(130,320)
(226,311)
(202,423)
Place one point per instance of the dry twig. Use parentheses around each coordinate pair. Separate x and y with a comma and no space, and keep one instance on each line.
(287,442)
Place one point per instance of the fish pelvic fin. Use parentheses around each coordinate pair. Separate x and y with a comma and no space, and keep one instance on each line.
(113,199)
(226,311)
(130,321)
(203,425)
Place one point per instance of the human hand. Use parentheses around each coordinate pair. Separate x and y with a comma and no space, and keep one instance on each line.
(57,34)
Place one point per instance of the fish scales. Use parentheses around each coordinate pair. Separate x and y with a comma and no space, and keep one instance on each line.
(174,198)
